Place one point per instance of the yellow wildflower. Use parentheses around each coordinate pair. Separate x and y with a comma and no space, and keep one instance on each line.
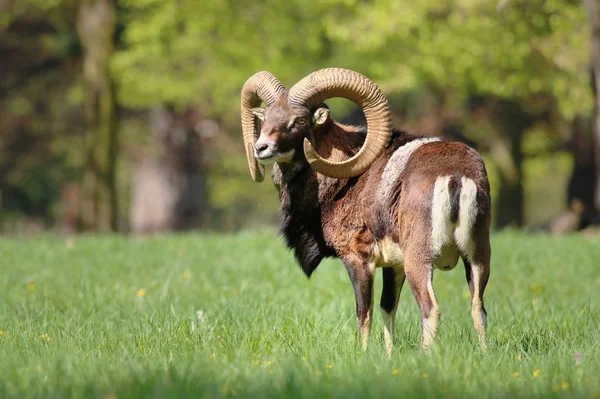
(213,356)
(31,287)
(268,363)
(424,375)
(516,374)
(396,372)
(536,373)
(186,274)
(304,358)
(329,366)
(2,332)
(538,289)
(45,337)
(564,386)
(141,293)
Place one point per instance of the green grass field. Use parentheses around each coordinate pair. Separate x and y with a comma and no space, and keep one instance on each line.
(219,316)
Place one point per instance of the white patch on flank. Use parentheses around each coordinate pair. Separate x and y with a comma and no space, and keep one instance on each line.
(441,226)
(466,217)
(395,166)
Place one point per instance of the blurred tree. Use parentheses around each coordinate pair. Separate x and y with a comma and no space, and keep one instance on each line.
(508,122)
(187,51)
(526,54)
(39,122)
(593,8)
(193,57)
(96,25)
(506,76)
(169,187)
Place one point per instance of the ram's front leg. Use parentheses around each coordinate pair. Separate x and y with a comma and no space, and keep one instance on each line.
(362,276)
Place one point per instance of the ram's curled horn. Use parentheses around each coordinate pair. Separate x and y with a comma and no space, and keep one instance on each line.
(261,87)
(338,82)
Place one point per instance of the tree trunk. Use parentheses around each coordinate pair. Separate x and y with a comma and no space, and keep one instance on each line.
(510,123)
(580,191)
(169,185)
(593,8)
(508,207)
(96,24)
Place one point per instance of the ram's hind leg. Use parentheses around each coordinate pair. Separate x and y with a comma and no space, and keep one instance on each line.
(478,273)
(393,280)
(420,278)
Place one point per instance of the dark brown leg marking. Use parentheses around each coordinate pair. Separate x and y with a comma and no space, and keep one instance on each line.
(362,281)
(393,280)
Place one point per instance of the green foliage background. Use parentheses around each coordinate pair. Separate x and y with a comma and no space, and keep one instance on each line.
(189,53)
(204,51)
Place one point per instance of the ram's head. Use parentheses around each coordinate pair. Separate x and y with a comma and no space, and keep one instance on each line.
(290,118)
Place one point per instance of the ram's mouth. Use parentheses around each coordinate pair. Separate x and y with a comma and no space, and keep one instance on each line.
(271,158)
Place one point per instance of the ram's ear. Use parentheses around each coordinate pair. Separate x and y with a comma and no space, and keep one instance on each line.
(259,113)
(320,116)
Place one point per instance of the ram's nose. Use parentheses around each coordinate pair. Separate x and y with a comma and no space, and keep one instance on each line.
(261,150)
(264,149)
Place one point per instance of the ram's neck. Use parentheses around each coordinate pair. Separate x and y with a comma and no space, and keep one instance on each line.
(338,142)
(333,141)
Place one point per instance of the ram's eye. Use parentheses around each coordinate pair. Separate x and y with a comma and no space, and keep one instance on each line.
(301,121)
